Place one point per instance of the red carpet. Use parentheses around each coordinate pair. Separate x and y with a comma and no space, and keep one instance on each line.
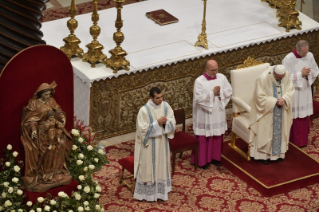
(315,106)
(298,170)
(53,14)
(215,189)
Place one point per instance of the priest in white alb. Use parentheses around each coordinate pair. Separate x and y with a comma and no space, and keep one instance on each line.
(303,71)
(154,125)
(271,116)
(212,92)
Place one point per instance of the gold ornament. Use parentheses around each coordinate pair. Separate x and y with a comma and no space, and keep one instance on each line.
(115,102)
(202,38)
(289,15)
(118,54)
(94,53)
(71,47)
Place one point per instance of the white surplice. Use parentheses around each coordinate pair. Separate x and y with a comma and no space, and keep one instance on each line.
(209,116)
(152,154)
(302,101)
(262,115)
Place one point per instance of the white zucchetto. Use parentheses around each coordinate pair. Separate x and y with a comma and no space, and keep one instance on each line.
(279,69)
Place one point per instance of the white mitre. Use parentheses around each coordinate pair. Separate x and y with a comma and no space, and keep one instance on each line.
(279,69)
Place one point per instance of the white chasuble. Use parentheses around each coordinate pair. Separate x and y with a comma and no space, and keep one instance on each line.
(302,101)
(152,153)
(270,124)
(209,116)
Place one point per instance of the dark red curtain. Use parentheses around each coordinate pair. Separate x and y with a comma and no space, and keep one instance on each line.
(18,82)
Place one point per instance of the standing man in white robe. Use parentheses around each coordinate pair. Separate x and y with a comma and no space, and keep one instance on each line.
(154,125)
(303,71)
(270,117)
(212,92)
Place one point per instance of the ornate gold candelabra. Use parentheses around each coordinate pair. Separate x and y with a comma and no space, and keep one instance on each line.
(202,38)
(273,3)
(71,46)
(286,12)
(289,15)
(94,53)
(117,59)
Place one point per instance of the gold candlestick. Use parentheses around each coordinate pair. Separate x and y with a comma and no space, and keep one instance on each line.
(117,59)
(71,46)
(202,38)
(94,53)
(289,15)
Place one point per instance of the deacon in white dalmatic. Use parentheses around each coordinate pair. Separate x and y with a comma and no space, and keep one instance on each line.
(271,116)
(303,71)
(154,125)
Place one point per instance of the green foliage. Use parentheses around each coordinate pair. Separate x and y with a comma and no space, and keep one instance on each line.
(85,158)
(10,182)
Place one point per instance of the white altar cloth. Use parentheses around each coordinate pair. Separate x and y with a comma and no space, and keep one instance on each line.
(230,24)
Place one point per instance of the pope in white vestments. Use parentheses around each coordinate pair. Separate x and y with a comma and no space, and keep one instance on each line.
(303,71)
(271,115)
(154,125)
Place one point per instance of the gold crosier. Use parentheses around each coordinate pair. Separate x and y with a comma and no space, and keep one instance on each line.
(71,47)
(202,38)
(94,53)
(117,59)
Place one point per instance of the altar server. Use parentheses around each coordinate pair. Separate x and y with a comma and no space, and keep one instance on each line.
(270,117)
(154,125)
(212,92)
(303,71)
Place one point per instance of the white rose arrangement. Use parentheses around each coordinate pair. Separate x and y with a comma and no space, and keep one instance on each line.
(87,189)
(15,180)
(15,154)
(85,158)
(75,132)
(40,199)
(16,168)
(74,147)
(19,192)
(9,147)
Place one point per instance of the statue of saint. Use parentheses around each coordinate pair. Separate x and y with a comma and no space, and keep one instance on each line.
(46,142)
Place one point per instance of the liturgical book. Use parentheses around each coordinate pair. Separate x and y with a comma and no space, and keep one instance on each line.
(161,17)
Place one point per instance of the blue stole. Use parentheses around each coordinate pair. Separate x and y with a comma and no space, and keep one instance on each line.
(277,124)
(153,140)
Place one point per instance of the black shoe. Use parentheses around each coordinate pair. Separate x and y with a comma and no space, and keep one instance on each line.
(281,160)
(265,162)
(216,162)
(205,167)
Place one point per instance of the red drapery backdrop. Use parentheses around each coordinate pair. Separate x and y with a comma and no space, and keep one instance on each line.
(18,82)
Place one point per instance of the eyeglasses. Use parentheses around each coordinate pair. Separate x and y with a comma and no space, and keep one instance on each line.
(212,70)
(302,53)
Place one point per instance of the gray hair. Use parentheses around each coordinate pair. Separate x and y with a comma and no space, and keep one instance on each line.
(301,43)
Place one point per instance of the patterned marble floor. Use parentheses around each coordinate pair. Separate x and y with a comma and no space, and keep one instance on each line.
(310,8)
(55,4)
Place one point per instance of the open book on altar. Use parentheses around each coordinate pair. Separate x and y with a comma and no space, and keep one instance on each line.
(161,17)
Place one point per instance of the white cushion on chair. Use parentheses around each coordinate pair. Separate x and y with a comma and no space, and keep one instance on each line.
(243,83)
(240,126)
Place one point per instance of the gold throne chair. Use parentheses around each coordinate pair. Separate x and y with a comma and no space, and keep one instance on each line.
(243,83)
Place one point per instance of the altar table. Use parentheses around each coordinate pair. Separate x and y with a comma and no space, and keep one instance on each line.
(166,55)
